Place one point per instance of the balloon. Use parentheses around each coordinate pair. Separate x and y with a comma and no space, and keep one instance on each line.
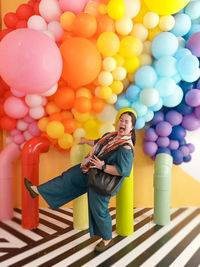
(37,112)
(109,63)
(174,99)
(108,114)
(83,92)
(85,25)
(174,117)
(145,76)
(150,20)
(162,141)
(117,87)
(119,73)
(166,23)
(193,44)
(158,117)
(163,150)
(70,125)
(24,12)
(67,20)
(50,10)
(92,8)
(187,158)
(182,25)
(132,8)
(22,125)
(116,9)
(42,124)
(15,107)
(105,24)
(33,129)
(187,64)
(150,134)
(33,100)
(18,139)
(64,98)
(149,96)
(55,129)
(132,92)
(192,98)
(140,122)
(191,147)
(108,44)
(183,108)
(166,66)
(173,144)
(81,61)
(150,148)
(122,102)
(165,86)
(177,156)
(82,104)
(124,26)
(10,20)
(169,49)
(36,51)
(8,123)
(163,128)
(192,9)
(105,78)
(51,108)
(56,29)
(166,7)
(185,150)
(66,141)
(129,46)
(190,122)
(75,6)
(140,108)
(97,105)
(178,133)
(55,116)
(139,31)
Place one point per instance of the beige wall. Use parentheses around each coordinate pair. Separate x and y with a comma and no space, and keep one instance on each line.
(185,190)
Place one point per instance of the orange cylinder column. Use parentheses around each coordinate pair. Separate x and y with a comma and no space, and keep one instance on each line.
(30,169)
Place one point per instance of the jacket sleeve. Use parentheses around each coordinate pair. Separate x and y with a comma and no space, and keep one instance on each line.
(124,161)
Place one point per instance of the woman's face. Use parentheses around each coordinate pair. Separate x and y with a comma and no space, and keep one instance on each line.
(124,125)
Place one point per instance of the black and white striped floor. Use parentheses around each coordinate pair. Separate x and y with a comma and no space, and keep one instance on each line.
(56,243)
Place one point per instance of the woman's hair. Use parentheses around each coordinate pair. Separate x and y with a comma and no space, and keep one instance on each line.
(133,120)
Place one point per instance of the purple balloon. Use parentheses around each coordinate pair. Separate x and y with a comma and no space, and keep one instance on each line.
(174,117)
(158,116)
(185,150)
(163,128)
(192,98)
(173,144)
(150,134)
(150,148)
(163,141)
(191,147)
(197,112)
(193,44)
(198,84)
(190,122)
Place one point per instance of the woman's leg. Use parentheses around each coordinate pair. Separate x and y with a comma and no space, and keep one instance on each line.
(64,188)
(99,216)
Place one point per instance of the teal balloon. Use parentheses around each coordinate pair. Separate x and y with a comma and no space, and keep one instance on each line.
(145,76)
(182,25)
(140,123)
(174,99)
(157,106)
(187,65)
(139,108)
(149,115)
(192,77)
(166,86)
(182,52)
(164,44)
(193,10)
(166,66)
(122,102)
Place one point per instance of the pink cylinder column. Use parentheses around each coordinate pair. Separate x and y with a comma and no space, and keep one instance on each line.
(7,158)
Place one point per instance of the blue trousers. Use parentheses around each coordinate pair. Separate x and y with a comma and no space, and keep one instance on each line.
(72,184)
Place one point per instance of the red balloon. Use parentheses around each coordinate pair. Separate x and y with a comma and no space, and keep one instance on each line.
(24,12)
(36,8)
(4,32)
(10,20)
(21,24)
(8,123)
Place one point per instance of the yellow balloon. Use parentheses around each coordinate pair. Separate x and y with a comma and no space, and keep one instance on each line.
(117,87)
(55,129)
(131,64)
(129,46)
(66,141)
(105,92)
(119,59)
(81,117)
(119,73)
(83,92)
(153,32)
(108,44)
(42,124)
(105,78)
(112,100)
(67,20)
(151,20)
(166,7)
(109,63)
(51,108)
(92,128)
(116,9)
(124,26)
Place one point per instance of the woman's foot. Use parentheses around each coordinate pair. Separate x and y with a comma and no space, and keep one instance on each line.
(31,188)
(103,245)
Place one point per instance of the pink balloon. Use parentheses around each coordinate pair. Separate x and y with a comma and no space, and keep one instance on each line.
(15,132)
(19,139)
(30,61)
(75,6)
(15,107)
(33,129)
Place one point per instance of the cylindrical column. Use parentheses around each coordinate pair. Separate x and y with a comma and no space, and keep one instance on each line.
(162,188)
(124,208)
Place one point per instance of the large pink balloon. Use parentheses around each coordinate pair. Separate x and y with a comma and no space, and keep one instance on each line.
(75,6)
(30,61)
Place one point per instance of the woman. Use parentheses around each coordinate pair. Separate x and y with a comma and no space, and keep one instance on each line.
(74,182)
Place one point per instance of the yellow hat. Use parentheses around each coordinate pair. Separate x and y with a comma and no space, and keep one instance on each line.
(124,110)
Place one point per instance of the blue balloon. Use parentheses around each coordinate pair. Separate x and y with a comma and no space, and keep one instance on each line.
(187,86)
(187,158)
(182,52)
(132,92)
(166,66)
(177,156)
(140,123)
(122,102)
(164,44)
(193,9)
(174,99)
(157,106)
(182,142)
(139,108)
(187,64)
(163,150)
(182,25)
(149,115)
(145,76)
(184,109)
(194,28)
(178,133)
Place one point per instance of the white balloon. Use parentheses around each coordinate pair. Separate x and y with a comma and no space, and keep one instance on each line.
(132,8)
(36,22)
(50,10)
(50,91)
(27,135)
(33,100)
(108,114)
(50,35)
(37,112)
(56,29)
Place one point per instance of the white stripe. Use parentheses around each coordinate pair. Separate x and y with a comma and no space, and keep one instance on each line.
(120,245)
(57,213)
(187,253)
(147,243)
(13,242)
(164,250)
(25,232)
(41,226)
(37,249)
(53,221)
(67,209)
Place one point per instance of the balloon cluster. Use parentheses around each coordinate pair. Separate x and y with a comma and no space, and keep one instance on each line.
(70,60)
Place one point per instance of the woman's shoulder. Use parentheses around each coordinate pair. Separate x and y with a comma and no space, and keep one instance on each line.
(128,145)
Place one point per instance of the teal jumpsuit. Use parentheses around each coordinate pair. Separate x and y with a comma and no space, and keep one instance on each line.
(74,183)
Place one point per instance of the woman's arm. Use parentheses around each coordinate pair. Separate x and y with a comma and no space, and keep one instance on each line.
(86,141)
(97,163)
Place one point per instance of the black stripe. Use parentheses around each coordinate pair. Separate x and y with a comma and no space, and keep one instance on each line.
(136,242)
(66,212)
(63,220)
(153,248)
(141,212)
(195,260)
(170,257)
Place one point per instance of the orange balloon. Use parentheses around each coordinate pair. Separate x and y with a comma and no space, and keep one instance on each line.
(64,97)
(70,125)
(81,61)
(97,105)
(82,104)
(105,24)
(55,116)
(84,25)
(92,8)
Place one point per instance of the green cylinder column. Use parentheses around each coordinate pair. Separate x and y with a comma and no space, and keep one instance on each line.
(80,204)
(124,208)
(162,188)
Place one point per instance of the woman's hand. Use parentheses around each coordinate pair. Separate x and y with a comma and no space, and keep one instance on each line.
(97,163)
(82,141)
